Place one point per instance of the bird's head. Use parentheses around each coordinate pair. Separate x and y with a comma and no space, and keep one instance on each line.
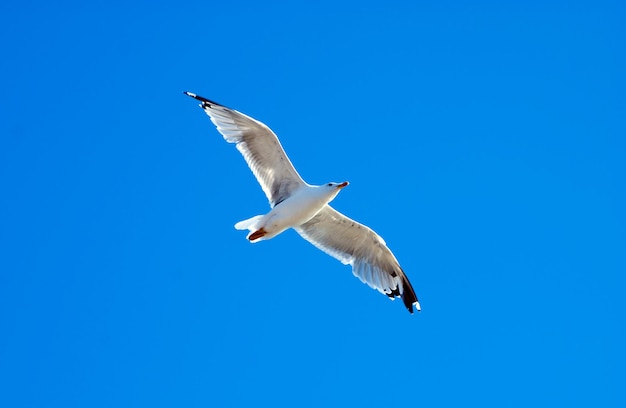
(334,188)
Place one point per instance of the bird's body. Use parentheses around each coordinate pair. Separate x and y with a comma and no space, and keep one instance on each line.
(304,207)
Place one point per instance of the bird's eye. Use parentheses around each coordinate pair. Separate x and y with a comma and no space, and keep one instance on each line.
(330,184)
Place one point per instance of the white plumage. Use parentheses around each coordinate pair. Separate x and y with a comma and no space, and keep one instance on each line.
(296,204)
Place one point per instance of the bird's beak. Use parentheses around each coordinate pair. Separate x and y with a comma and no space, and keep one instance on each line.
(342,185)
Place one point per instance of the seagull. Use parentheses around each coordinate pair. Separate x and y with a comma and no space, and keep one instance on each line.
(305,207)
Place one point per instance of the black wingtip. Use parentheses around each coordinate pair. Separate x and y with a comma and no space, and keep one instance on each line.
(198,97)
(205,102)
(408,296)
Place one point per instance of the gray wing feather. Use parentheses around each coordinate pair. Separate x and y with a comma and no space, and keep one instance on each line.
(357,245)
(260,148)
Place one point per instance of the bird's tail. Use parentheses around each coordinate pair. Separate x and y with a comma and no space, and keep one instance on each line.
(251,224)
(257,233)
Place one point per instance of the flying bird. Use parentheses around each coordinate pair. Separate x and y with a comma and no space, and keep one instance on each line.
(305,208)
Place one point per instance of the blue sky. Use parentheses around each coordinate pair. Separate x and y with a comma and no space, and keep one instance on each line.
(484,142)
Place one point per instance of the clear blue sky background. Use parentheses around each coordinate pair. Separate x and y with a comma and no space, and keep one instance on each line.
(485,143)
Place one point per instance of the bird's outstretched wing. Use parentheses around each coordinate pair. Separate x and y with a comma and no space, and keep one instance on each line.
(260,148)
(357,245)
